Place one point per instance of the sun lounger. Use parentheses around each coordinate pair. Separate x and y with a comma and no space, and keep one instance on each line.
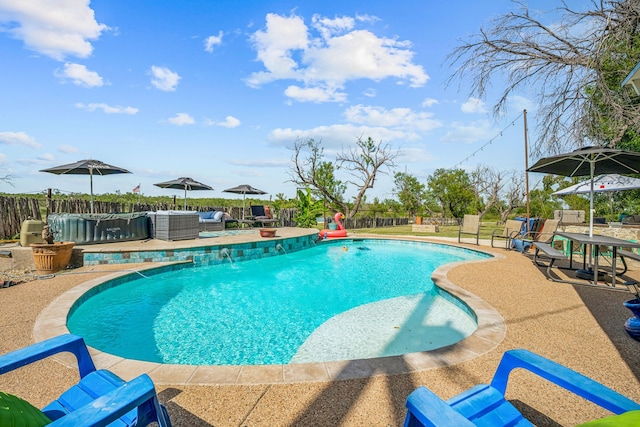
(259,216)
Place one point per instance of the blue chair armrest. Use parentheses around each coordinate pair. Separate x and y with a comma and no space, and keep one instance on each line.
(138,392)
(563,377)
(38,351)
(425,408)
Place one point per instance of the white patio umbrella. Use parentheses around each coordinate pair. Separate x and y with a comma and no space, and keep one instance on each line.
(602,183)
(589,161)
(607,183)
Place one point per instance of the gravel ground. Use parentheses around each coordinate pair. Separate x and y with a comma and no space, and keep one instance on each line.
(577,326)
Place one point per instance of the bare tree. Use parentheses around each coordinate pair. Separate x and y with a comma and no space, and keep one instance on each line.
(8,179)
(488,184)
(362,163)
(573,66)
(513,197)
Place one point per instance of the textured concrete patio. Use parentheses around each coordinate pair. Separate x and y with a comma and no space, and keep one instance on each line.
(578,326)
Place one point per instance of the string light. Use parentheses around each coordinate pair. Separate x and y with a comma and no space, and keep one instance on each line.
(488,142)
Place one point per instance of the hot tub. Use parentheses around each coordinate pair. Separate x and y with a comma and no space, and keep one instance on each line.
(87,229)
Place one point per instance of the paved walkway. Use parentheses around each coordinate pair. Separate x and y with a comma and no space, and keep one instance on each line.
(578,326)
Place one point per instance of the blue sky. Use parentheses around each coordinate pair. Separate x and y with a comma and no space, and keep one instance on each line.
(220,90)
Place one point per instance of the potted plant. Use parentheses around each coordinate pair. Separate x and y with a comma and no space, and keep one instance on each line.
(50,257)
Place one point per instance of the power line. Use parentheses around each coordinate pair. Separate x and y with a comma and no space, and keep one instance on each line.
(488,142)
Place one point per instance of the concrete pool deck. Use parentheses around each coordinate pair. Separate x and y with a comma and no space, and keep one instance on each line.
(577,326)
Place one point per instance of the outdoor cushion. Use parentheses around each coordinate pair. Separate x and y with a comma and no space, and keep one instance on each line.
(218,216)
(628,419)
(206,215)
(16,412)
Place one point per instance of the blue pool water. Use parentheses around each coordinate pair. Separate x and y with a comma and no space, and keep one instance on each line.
(265,311)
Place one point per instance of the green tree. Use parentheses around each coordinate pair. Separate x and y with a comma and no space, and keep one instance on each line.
(410,192)
(307,209)
(452,188)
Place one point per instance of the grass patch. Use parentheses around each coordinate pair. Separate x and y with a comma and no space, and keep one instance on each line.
(444,231)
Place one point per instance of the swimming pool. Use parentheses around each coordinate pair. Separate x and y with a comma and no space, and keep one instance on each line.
(282,309)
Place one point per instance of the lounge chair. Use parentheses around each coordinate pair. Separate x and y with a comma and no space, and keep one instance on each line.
(100,398)
(511,229)
(215,220)
(260,216)
(470,225)
(486,405)
(545,235)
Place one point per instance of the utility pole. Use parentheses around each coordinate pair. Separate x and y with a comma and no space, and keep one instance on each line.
(526,165)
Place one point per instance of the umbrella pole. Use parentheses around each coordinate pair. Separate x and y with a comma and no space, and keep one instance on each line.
(185,199)
(244,198)
(91,189)
(591,210)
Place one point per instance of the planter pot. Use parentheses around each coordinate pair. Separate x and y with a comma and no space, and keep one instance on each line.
(51,258)
(632,325)
(267,232)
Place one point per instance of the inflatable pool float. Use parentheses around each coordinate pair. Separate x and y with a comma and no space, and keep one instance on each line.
(340,232)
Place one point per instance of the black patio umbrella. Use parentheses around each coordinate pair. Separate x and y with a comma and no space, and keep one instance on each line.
(185,183)
(244,189)
(86,167)
(589,161)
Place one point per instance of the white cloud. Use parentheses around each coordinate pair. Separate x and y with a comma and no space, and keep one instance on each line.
(520,103)
(212,41)
(371,93)
(68,149)
(469,132)
(336,136)
(415,155)
(229,122)
(275,47)
(164,79)
(181,119)
(18,138)
(403,118)
(3,159)
(324,63)
(263,163)
(473,105)
(54,28)
(315,94)
(429,102)
(44,159)
(108,109)
(80,75)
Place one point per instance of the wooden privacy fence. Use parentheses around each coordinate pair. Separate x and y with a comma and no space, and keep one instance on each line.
(14,211)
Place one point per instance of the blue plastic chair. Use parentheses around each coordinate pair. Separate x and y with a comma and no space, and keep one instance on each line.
(100,398)
(485,405)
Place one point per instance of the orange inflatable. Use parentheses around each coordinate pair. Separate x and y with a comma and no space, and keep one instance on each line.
(340,232)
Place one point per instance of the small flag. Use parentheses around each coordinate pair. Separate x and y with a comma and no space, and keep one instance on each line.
(137,189)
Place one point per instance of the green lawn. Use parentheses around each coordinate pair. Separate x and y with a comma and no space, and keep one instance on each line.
(444,231)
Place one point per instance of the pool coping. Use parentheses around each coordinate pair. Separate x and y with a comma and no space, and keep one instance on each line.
(490,333)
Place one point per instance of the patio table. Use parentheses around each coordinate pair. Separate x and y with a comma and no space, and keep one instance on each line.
(593,242)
